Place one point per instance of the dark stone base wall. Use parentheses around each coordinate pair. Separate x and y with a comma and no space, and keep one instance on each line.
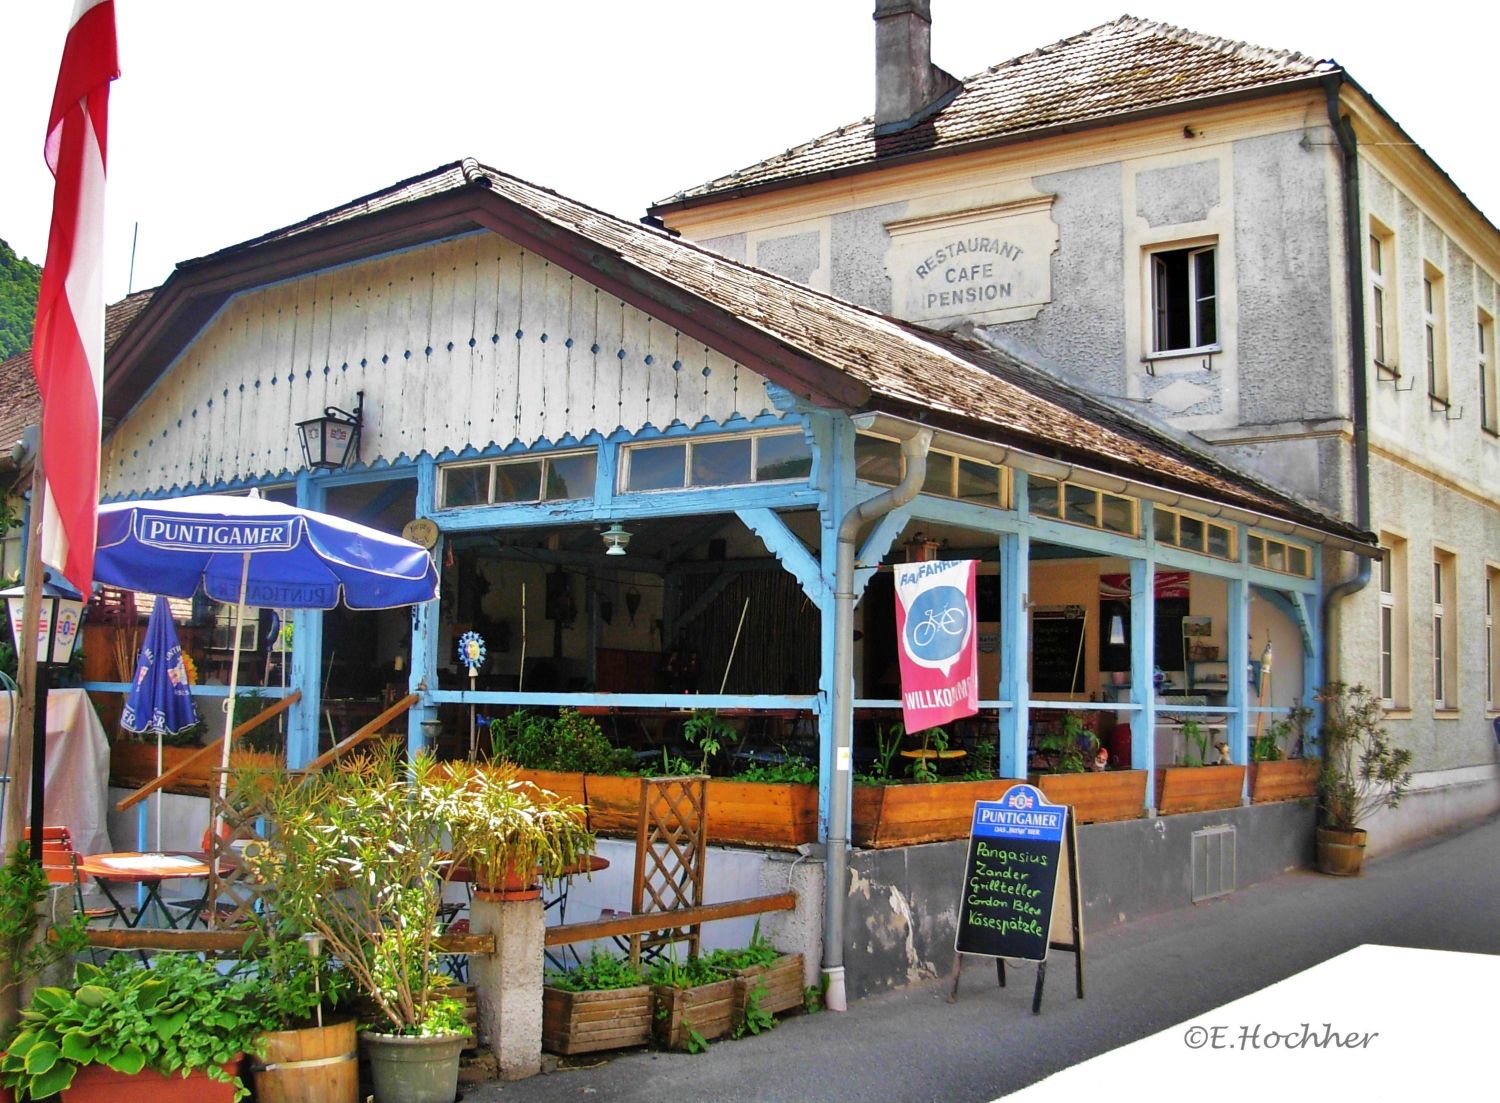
(903,903)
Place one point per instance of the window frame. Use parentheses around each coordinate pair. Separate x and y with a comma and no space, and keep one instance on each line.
(1003,499)
(1435,335)
(1394,595)
(1155,276)
(622,482)
(1063,487)
(1489,417)
(1491,642)
(1384,348)
(492,466)
(1445,654)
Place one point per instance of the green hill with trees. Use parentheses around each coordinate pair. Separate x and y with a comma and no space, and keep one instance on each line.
(20,280)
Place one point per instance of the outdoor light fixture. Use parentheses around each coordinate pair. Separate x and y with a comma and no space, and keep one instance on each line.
(57,626)
(1116,630)
(332,441)
(615,539)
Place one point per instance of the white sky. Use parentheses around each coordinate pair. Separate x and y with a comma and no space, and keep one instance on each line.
(230,120)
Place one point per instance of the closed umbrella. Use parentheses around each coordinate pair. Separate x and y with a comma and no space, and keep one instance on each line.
(159,700)
(250,551)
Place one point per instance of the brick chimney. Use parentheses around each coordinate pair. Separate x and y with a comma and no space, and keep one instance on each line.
(908,86)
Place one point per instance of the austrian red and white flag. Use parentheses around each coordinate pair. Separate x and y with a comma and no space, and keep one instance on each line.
(935,642)
(67,352)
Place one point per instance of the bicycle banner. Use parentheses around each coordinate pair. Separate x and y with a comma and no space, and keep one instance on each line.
(935,627)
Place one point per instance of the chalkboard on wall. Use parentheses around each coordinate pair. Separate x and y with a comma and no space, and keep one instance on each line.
(1056,645)
(1010,878)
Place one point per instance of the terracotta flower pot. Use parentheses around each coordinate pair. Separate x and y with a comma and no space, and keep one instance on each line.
(102,1084)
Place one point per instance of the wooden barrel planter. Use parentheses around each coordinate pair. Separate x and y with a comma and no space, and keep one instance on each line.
(708,1009)
(1097,797)
(314,1063)
(584,1022)
(782,981)
(1288,779)
(1199,788)
(1341,853)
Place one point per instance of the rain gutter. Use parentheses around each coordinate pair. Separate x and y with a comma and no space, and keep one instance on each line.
(916,440)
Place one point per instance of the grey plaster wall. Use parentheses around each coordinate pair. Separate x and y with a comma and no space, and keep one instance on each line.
(903,902)
(795,256)
(1284,340)
(1083,328)
(1313,469)
(858,243)
(730,245)
(1184,193)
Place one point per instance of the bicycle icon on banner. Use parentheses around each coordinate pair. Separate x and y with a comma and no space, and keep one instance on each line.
(937,626)
(951,622)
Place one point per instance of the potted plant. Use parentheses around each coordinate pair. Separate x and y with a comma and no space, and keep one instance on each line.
(358,855)
(770,981)
(303,1054)
(507,832)
(694,1003)
(601,1003)
(1278,770)
(175,1030)
(571,756)
(1095,795)
(1363,772)
(1197,785)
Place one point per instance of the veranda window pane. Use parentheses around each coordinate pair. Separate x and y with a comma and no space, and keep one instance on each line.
(571,477)
(877,461)
(658,467)
(466,486)
(518,482)
(1083,505)
(1119,514)
(1220,542)
(1257,552)
(1164,523)
(1275,556)
(784,456)
(939,478)
(1043,496)
(721,462)
(978,482)
(1191,531)
(1296,560)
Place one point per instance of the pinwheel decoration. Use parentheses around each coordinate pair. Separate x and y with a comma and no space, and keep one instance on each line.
(471,652)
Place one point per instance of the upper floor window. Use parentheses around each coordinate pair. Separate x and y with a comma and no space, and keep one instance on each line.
(1184,299)
(551,477)
(1382,303)
(1394,653)
(1487,381)
(716,461)
(1435,334)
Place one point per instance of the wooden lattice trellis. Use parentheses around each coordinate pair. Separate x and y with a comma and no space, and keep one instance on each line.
(234,893)
(671,838)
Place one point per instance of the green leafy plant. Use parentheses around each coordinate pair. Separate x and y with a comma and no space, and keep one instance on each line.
(23,888)
(293,983)
(983,764)
(925,769)
(758,953)
(1195,737)
(1363,770)
(570,743)
(602,972)
(706,731)
(812,999)
(176,1016)
(756,1018)
(504,828)
(792,771)
(887,747)
(1071,744)
(693,973)
(1283,738)
(359,855)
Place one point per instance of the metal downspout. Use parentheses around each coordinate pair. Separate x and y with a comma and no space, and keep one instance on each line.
(1354,275)
(914,450)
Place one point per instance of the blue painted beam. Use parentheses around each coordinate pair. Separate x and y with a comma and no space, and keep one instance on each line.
(424,623)
(1142,669)
(307,656)
(1015,633)
(626,507)
(781,542)
(875,548)
(685,702)
(270,693)
(1237,636)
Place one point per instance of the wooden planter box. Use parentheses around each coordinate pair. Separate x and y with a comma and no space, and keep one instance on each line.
(1289,779)
(900,815)
(783,985)
(762,813)
(709,1009)
(583,1022)
(132,765)
(1199,788)
(1097,797)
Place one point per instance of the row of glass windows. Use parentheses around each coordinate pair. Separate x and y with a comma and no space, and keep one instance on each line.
(878,460)
(1082,505)
(1278,555)
(1183,530)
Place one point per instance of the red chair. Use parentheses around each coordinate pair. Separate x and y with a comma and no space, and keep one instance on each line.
(60,864)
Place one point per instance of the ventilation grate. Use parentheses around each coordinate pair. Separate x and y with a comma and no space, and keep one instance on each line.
(1213,862)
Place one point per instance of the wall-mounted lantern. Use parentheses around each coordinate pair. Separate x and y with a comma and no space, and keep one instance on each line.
(331,442)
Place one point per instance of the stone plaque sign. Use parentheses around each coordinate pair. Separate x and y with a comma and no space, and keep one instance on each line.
(992,264)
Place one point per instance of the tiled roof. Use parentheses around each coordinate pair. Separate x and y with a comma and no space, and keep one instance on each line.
(1120,68)
(21,405)
(907,370)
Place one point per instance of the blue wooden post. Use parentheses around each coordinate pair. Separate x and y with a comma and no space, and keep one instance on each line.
(1143,667)
(424,622)
(1238,639)
(307,657)
(1312,657)
(1015,684)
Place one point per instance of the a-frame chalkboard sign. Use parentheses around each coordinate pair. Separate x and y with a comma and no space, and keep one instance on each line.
(1023,862)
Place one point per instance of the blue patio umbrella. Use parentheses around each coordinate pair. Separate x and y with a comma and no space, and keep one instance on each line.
(250,551)
(159,701)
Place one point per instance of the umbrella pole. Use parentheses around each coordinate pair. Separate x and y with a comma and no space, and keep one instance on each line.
(234,678)
(158,792)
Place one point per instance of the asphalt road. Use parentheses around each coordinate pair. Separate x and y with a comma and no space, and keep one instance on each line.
(1143,977)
